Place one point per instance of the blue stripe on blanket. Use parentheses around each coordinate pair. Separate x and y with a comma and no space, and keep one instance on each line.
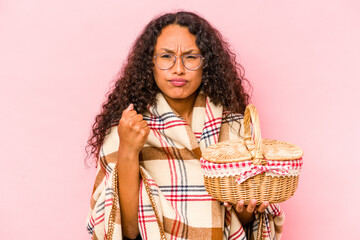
(207,133)
(181,190)
(100,207)
(89,228)
(189,188)
(160,119)
(147,208)
(231,118)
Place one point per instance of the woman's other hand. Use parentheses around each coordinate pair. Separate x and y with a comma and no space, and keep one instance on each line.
(133,130)
(246,213)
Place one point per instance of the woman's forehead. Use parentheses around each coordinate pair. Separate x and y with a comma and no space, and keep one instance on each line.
(175,38)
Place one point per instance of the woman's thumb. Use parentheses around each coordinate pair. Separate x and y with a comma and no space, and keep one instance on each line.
(130,107)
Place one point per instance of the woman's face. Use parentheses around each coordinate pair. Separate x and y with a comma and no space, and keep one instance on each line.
(177,83)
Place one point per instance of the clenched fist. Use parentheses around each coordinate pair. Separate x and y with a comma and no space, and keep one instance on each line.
(133,130)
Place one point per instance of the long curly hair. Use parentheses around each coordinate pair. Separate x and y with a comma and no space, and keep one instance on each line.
(222,77)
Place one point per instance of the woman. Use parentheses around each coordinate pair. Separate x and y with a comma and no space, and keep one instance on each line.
(180,92)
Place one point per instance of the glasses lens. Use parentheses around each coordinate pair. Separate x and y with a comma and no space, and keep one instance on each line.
(165,60)
(192,61)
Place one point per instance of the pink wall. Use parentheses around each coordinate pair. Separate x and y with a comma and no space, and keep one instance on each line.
(57,59)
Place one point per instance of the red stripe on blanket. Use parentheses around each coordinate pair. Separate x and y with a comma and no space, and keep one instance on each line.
(92,222)
(151,218)
(166,125)
(276,211)
(102,215)
(108,202)
(237,234)
(99,219)
(187,195)
(191,200)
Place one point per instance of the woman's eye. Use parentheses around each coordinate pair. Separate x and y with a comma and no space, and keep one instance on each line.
(165,56)
(191,57)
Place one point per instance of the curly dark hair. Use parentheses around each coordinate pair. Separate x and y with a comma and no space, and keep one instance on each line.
(222,77)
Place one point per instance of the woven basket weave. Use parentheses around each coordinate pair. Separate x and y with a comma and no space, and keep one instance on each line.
(226,162)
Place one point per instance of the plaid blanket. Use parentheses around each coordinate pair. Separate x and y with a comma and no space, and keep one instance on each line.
(178,202)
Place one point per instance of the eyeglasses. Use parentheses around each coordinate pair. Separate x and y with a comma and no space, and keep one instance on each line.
(166,61)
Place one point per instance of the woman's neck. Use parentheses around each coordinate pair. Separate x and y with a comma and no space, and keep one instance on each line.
(183,107)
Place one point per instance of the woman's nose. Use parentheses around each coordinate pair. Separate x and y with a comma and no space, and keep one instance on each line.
(179,66)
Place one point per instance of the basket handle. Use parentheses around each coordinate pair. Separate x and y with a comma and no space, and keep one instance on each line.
(253,145)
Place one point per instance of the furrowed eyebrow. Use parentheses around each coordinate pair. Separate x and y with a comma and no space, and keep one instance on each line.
(171,51)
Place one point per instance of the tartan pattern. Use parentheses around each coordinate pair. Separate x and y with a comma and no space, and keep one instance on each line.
(170,161)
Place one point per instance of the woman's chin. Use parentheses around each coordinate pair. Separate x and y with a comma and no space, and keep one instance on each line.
(179,96)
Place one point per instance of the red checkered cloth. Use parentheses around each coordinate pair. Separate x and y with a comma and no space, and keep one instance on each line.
(171,163)
(246,170)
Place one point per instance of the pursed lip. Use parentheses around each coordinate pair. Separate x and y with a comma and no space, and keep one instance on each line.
(178,82)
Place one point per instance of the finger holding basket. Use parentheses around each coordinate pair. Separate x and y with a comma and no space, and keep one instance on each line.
(246,213)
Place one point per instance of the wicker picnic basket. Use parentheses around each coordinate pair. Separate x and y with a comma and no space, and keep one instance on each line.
(251,168)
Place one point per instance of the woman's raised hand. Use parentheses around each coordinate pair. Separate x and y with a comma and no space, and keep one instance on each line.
(133,130)
(246,213)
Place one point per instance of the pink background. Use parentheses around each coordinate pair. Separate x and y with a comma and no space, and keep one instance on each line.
(57,60)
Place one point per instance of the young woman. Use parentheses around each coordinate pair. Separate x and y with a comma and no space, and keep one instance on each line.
(180,91)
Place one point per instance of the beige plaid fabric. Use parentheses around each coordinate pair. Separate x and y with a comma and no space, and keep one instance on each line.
(170,161)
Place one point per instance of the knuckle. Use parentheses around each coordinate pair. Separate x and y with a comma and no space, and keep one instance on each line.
(144,132)
(249,209)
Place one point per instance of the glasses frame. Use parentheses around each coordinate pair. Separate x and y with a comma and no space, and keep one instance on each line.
(182,60)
